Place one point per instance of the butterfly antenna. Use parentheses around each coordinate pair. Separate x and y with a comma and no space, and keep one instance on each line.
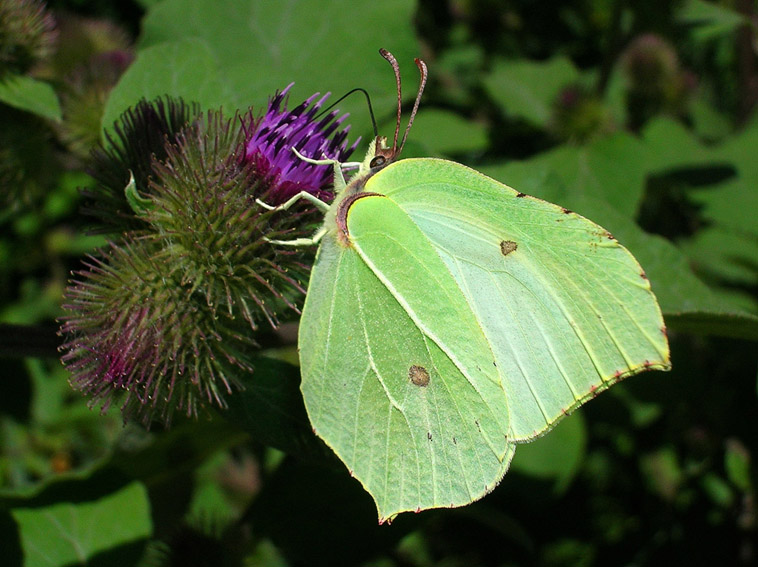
(395,67)
(343,97)
(424,73)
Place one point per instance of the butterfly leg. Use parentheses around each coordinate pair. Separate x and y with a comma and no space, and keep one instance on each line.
(339,185)
(286,205)
(339,178)
(318,203)
(312,241)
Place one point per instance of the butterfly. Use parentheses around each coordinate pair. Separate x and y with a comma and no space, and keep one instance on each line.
(450,317)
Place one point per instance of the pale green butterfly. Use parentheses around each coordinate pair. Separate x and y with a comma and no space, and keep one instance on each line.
(450,317)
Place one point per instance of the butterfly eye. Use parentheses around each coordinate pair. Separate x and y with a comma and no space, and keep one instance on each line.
(378,161)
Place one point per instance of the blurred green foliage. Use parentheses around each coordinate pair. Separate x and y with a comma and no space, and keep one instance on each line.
(639,115)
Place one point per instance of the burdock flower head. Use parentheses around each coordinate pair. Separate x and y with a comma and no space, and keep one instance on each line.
(133,330)
(140,139)
(655,80)
(27,35)
(168,314)
(578,115)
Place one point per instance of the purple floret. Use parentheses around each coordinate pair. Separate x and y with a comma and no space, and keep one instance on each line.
(270,139)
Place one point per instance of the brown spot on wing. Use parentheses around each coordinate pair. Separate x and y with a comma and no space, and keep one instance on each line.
(418,375)
(507,246)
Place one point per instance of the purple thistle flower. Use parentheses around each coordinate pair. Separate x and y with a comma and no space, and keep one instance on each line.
(270,139)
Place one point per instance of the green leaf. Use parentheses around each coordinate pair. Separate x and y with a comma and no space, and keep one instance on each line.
(663,472)
(737,465)
(708,122)
(168,457)
(270,408)
(73,534)
(139,204)
(718,490)
(443,132)
(725,249)
(30,95)
(735,148)
(725,254)
(528,89)
(710,19)
(612,169)
(688,304)
(317,515)
(184,68)
(672,146)
(253,52)
(615,96)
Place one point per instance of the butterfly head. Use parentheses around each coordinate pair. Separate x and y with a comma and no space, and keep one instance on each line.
(378,156)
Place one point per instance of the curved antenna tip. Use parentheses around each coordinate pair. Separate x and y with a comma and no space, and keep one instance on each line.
(396,68)
(422,84)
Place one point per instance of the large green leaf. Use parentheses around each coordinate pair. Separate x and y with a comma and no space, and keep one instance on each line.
(184,68)
(710,19)
(251,48)
(725,248)
(672,146)
(688,304)
(442,132)
(74,533)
